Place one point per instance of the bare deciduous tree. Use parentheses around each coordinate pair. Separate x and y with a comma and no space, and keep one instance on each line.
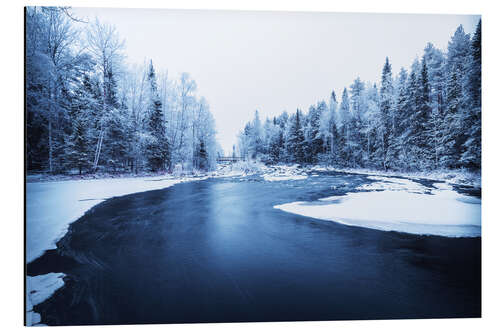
(105,45)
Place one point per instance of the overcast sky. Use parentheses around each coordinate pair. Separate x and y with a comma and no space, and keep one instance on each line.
(273,61)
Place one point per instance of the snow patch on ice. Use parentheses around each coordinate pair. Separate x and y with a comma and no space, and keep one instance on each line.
(393,184)
(38,289)
(459,176)
(274,178)
(320,168)
(332,198)
(239,169)
(401,205)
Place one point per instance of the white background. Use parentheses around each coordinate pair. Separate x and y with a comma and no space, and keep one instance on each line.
(11,165)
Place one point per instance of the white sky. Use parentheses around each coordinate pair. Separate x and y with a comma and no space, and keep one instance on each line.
(244,61)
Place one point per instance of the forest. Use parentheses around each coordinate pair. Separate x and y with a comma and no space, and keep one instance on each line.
(88,110)
(427,117)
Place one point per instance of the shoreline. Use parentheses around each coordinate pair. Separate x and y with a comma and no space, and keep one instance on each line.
(460,177)
(452,177)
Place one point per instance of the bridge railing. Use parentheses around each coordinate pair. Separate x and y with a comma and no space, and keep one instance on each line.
(230,159)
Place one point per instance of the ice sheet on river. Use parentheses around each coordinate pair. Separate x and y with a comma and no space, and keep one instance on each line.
(396,204)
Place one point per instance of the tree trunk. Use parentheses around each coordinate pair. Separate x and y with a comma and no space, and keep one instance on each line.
(51,106)
(101,134)
(50,142)
(98,149)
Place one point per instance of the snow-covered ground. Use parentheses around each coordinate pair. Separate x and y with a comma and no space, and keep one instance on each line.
(294,172)
(458,177)
(52,206)
(39,288)
(393,184)
(399,205)
(283,172)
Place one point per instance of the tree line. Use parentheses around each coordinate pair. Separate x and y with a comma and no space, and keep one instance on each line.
(424,118)
(88,111)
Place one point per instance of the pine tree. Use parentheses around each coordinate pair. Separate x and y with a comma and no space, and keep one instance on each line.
(116,133)
(436,61)
(246,138)
(202,156)
(77,151)
(343,128)
(357,88)
(458,51)
(157,149)
(314,139)
(77,148)
(471,155)
(421,120)
(451,124)
(385,131)
(296,140)
(454,130)
(370,129)
(355,139)
(276,142)
(256,143)
(282,122)
(416,119)
(334,144)
(398,157)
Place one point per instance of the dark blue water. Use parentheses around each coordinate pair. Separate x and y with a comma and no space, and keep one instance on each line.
(217,251)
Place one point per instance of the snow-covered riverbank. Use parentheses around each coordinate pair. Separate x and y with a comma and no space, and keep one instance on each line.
(52,206)
(281,172)
(456,177)
(397,204)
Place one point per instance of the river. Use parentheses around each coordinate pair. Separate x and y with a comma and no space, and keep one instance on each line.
(217,251)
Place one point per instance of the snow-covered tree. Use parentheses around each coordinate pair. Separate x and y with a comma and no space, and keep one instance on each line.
(421,120)
(356,122)
(314,138)
(296,144)
(106,47)
(471,153)
(87,111)
(157,149)
(385,128)
(77,154)
(426,118)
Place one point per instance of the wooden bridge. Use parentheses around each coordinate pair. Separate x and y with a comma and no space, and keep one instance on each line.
(229,159)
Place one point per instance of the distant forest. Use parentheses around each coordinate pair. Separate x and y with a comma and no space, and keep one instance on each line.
(424,118)
(88,111)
